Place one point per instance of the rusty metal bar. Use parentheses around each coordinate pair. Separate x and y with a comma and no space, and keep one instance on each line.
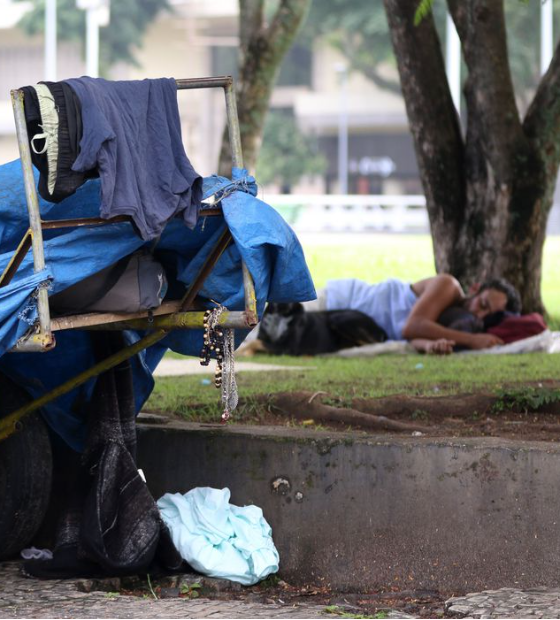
(211,212)
(250,296)
(178,320)
(222,81)
(16,259)
(32,207)
(237,161)
(83,321)
(226,82)
(86,221)
(233,126)
(206,268)
(36,342)
(8,424)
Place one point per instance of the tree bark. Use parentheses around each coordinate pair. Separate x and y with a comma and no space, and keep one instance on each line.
(263,46)
(489,193)
(433,121)
(503,232)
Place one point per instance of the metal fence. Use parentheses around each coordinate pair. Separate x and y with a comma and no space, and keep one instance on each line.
(352,213)
(359,213)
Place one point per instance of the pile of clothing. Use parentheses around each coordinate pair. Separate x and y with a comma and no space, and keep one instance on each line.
(127,133)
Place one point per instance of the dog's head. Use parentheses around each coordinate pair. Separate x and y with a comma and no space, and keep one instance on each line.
(276,321)
(284,309)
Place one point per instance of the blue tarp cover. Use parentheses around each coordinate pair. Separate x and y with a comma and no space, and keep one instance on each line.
(263,240)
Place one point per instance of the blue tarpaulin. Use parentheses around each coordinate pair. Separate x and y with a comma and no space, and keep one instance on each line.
(263,240)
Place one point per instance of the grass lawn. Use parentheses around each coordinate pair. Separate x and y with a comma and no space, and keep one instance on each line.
(375,257)
(415,375)
(372,258)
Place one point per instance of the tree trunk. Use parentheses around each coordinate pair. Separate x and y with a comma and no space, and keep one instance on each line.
(489,193)
(263,46)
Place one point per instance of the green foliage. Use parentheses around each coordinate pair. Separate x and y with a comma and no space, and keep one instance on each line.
(420,414)
(190,590)
(525,399)
(118,41)
(152,591)
(270,582)
(358,30)
(422,10)
(286,154)
(352,378)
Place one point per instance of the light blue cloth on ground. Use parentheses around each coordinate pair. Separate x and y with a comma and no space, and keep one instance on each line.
(388,303)
(219,539)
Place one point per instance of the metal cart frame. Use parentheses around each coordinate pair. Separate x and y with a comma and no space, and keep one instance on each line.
(171,315)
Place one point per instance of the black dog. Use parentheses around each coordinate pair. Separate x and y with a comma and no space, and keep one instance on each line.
(286,328)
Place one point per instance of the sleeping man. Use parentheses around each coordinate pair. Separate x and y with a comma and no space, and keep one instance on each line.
(412,311)
(422,313)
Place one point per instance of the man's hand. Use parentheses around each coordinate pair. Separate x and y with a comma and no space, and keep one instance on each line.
(484,341)
(442,346)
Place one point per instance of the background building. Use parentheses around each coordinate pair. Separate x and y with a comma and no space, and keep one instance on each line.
(199,38)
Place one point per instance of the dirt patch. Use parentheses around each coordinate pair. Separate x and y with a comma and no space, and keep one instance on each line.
(531,412)
(273,590)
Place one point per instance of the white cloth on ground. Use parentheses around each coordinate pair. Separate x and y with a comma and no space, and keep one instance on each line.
(219,539)
(546,342)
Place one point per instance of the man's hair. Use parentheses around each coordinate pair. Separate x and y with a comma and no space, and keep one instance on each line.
(500,284)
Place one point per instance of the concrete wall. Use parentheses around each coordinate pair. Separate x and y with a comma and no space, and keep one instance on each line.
(361,512)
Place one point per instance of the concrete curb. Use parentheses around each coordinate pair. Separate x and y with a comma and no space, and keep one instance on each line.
(360,511)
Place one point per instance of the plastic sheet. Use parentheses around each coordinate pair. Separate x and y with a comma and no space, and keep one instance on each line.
(262,238)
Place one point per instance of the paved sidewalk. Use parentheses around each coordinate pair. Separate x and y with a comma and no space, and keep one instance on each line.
(506,603)
(171,367)
(21,597)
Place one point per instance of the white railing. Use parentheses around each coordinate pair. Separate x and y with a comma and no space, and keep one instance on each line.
(352,213)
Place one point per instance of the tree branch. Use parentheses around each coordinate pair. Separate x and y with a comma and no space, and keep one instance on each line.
(250,21)
(433,121)
(360,59)
(286,21)
(371,74)
(542,121)
(489,90)
(264,48)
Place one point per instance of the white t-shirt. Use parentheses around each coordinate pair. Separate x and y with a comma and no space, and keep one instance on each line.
(388,303)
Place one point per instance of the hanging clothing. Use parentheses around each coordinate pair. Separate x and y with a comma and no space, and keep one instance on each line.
(54,124)
(111,524)
(132,134)
(49,135)
(388,303)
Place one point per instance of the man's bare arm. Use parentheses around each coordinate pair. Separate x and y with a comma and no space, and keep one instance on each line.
(434,296)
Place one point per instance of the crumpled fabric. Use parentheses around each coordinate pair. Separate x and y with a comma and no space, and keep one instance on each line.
(262,238)
(19,307)
(132,135)
(219,539)
(36,554)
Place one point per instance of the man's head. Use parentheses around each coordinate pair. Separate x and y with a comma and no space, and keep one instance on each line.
(493,296)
